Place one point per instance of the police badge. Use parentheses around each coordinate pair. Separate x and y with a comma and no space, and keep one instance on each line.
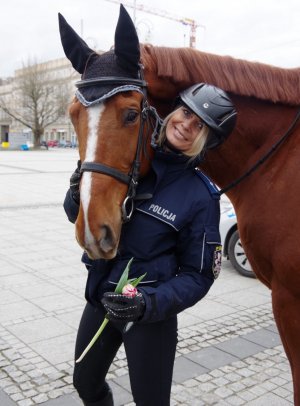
(217,261)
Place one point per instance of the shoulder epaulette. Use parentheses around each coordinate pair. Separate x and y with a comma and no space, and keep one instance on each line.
(212,188)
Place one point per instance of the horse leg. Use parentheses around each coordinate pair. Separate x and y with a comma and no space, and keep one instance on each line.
(286,312)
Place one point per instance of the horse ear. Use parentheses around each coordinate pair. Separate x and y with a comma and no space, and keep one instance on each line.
(127,48)
(76,50)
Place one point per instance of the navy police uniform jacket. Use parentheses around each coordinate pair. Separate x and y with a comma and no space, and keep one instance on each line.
(173,237)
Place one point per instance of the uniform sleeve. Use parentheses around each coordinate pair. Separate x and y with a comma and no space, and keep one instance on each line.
(71,207)
(198,248)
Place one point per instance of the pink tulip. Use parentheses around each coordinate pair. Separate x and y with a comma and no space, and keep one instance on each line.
(129,290)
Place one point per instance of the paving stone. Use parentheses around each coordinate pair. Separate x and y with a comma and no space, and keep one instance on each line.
(5,382)
(191,383)
(223,392)
(55,393)
(278,381)
(246,372)
(217,373)
(235,401)
(207,386)
(283,393)
(185,369)
(211,358)
(221,382)
(41,329)
(240,347)
(57,349)
(26,386)
(273,328)
(41,398)
(264,337)
(123,381)
(121,395)
(25,402)
(204,378)
(247,395)
(233,377)
(12,389)
(17,396)
(269,399)
(66,400)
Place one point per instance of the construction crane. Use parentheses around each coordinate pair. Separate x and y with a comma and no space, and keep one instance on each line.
(150,10)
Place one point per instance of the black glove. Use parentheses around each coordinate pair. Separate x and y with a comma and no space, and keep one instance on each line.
(123,308)
(75,182)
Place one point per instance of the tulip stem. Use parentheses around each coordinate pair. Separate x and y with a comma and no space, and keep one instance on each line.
(94,339)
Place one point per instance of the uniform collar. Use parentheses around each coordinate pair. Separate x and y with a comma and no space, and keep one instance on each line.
(175,158)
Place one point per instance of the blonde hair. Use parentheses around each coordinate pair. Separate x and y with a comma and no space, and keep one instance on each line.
(198,144)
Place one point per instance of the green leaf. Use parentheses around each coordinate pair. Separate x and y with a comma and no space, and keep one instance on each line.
(124,278)
(136,281)
(122,282)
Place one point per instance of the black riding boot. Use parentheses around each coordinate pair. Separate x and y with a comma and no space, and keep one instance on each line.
(106,401)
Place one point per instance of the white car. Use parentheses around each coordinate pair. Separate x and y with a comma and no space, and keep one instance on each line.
(232,246)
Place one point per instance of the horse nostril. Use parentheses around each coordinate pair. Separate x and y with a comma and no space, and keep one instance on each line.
(106,240)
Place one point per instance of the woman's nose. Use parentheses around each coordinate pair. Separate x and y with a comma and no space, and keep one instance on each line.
(186,123)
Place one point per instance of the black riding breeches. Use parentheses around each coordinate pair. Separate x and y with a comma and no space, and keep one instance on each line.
(150,349)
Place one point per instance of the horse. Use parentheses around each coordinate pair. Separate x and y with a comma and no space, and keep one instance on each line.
(256,166)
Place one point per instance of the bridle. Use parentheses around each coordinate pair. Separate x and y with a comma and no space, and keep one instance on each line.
(147,114)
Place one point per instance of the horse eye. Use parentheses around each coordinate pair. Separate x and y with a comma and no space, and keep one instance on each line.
(131,116)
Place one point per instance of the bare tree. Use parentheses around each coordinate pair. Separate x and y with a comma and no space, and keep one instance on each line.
(38,99)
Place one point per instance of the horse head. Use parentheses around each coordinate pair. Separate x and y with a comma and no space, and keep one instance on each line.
(108,113)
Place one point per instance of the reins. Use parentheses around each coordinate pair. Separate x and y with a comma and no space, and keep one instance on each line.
(264,158)
(147,112)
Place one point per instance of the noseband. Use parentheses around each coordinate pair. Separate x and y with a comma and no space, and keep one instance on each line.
(147,112)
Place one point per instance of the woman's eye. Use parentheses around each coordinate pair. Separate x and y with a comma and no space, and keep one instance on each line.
(131,117)
(186,112)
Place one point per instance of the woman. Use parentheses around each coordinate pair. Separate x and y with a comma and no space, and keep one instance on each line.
(174,238)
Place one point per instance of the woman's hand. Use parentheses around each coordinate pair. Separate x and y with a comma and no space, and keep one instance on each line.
(123,307)
(75,182)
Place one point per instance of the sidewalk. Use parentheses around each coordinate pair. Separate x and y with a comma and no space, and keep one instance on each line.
(229,351)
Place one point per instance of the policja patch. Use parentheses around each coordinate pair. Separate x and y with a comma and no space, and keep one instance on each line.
(217,261)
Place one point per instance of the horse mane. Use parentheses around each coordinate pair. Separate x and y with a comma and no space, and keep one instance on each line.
(186,65)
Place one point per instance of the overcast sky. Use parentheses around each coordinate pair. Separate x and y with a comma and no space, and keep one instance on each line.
(261,30)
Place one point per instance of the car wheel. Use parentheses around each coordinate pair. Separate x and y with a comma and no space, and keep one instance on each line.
(238,257)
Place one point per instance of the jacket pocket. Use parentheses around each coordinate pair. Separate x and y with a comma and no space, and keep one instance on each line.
(157,270)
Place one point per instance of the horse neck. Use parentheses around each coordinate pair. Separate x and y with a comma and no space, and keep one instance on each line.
(260,125)
(261,122)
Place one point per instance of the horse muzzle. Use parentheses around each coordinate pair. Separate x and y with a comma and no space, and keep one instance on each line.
(104,246)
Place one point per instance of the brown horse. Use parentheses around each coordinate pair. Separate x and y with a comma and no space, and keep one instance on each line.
(267,100)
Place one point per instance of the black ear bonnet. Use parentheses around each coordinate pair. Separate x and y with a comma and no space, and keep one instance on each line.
(122,61)
(102,66)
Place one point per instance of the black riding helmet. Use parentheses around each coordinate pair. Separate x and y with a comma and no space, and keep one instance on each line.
(214,107)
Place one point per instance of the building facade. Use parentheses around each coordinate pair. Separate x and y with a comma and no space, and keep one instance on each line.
(61,131)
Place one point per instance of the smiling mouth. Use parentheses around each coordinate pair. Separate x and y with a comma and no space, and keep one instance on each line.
(179,134)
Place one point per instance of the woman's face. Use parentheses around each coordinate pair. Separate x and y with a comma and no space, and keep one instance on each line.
(183,128)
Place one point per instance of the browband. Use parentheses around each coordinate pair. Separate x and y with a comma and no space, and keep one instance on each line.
(110,80)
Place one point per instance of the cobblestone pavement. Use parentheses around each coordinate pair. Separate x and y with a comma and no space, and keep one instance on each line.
(229,351)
